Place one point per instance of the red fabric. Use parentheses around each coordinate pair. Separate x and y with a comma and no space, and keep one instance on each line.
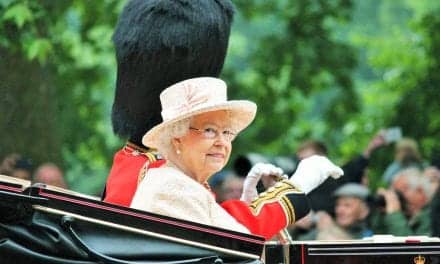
(157,164)
(122,180)
(270,220)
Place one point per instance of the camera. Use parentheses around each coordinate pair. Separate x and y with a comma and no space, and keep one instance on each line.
(392,134)
(379,201)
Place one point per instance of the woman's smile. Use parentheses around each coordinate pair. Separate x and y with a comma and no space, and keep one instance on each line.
(216,155)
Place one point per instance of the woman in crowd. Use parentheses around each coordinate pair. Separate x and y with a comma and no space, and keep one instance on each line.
(199,125)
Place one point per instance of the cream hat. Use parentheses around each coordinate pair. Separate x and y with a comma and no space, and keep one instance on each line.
(196,96)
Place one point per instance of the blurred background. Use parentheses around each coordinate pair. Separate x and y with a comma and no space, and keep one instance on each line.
(337,71)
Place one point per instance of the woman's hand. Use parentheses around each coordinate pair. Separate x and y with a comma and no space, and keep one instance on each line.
(264,171)
(313,171)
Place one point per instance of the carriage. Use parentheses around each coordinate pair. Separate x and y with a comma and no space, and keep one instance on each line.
(45,224)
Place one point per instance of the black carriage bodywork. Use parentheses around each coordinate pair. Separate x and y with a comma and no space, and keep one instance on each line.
(353,252)
(39,224)
(48,225)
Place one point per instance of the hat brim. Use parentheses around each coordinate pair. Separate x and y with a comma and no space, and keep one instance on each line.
(242,114)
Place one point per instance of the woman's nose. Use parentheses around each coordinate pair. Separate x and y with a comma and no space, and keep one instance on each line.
(220,141)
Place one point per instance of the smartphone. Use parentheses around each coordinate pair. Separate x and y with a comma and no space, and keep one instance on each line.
(392,134)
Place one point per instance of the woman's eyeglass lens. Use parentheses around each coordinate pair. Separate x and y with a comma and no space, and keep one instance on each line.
(211,133)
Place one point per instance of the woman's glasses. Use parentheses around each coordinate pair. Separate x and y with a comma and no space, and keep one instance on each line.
(211,133)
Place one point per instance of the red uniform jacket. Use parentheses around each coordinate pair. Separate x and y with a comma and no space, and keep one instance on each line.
(124,174)
(272,211)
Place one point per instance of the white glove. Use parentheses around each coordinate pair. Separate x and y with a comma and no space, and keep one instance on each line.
(259,170)
(313,171)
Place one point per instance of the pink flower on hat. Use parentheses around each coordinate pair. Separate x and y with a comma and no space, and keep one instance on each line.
(193,96)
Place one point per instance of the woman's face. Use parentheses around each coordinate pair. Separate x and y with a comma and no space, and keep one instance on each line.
(199,156)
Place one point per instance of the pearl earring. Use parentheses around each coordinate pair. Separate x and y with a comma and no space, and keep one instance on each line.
(178,152)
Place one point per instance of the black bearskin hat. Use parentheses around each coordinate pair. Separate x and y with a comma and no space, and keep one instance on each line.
(159,43)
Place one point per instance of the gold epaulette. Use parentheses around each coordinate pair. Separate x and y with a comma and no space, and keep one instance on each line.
(277,193)
(151,154)
(135,150)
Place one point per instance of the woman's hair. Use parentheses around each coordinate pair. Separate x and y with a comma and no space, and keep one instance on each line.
(175,130)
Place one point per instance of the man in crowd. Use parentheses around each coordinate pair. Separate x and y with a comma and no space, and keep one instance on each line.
(351,212)
(50,174)
(411,214)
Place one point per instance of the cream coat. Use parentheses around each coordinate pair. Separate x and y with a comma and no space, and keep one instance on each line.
(168,191)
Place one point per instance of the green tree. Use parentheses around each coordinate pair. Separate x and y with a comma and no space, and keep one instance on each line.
(296,70)
(418,111)
(396,43)
(57,76)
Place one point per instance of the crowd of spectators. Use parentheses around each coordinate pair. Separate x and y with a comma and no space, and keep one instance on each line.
(19,166)
(406,204)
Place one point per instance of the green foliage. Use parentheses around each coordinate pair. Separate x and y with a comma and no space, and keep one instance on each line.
(290,72)
(391,76)
(70,43)
(19,14)
(39,49)
(419,103)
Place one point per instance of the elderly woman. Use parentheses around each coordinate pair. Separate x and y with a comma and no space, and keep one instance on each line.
(195,137)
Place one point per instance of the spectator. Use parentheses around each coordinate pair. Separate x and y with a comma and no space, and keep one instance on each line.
(16,166)
(435,203)
(411,216)
(406,155)
(310,148)
(351,212)
(354,171)
(216,182)
(8,164)
(432,173)
(50,174)
(435,214)
(225,184)
(232,187)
